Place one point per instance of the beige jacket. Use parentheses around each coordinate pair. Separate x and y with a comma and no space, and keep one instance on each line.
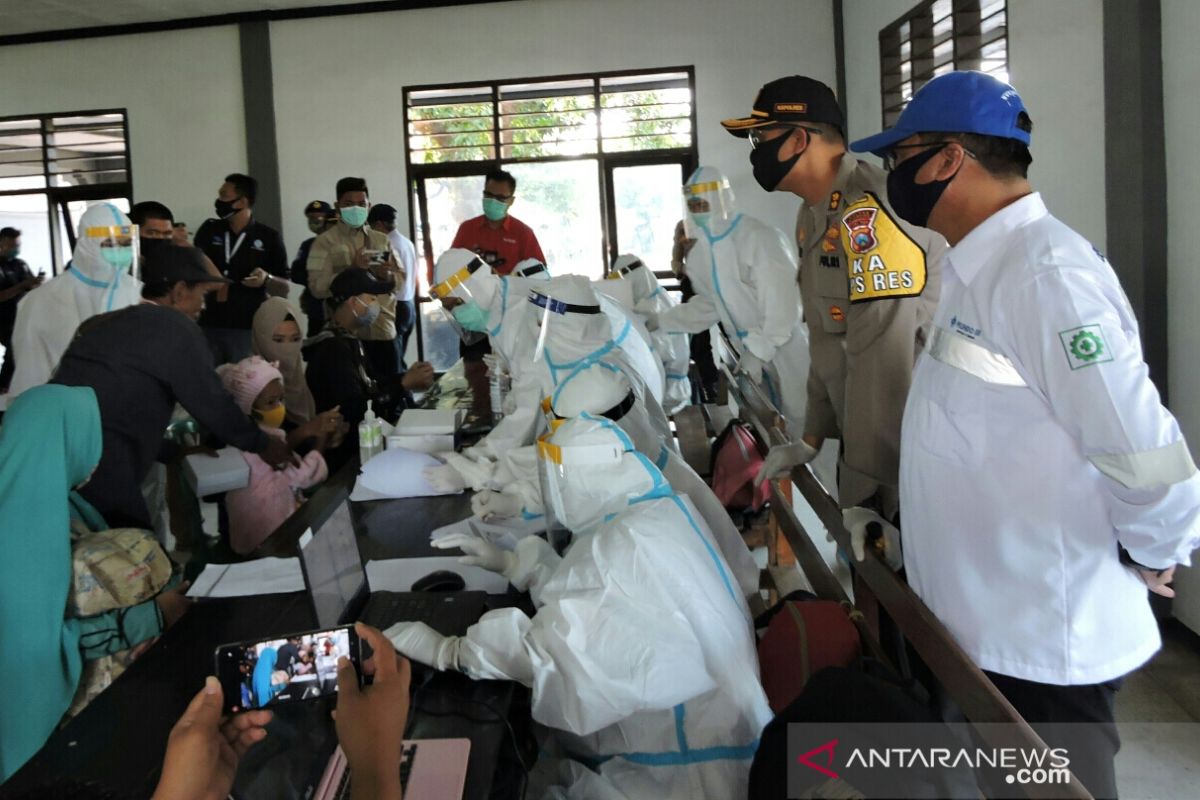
(869,285)
(332,252)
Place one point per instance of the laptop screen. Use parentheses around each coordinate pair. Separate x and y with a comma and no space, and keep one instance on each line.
(332,566)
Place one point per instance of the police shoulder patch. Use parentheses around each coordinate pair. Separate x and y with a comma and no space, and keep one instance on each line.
(882,261)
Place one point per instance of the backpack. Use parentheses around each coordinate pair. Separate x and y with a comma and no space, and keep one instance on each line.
(802,636)
(737,457)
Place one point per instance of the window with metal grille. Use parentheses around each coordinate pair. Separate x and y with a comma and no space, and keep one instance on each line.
(936,37)
(51,167)
(599,161)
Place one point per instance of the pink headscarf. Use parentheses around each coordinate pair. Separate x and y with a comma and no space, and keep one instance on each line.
(246,379)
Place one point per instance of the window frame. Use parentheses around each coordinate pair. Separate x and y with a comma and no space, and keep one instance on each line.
(58,197)
(687,158)
(966,36)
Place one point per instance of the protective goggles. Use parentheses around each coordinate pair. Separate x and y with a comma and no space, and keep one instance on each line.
(446,287)
(623,271)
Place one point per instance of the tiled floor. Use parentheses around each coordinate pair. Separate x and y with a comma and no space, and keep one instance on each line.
(1158,717)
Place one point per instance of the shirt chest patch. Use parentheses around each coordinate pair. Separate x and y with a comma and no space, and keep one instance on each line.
(258,245)
(964,329)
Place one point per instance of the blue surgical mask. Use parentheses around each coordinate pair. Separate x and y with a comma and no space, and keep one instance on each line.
(471,316)
(119,257)
(368,319)
(354,216)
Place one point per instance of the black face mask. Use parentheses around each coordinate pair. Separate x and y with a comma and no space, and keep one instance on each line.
(914,201)
(151,247)
(769,171)
(225,208)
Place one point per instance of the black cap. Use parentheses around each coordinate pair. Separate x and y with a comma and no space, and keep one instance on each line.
(382,212)
(319,206)
(353,282)
(174,263)
(790,100)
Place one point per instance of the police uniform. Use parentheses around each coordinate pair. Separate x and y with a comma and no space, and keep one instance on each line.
(869,286)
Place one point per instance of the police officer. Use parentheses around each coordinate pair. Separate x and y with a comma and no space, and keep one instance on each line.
(868,282)
(1044,486)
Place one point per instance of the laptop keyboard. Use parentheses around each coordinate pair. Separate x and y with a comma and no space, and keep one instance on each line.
(406,763)
(387,609)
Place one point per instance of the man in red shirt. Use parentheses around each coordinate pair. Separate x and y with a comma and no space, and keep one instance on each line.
(502,241)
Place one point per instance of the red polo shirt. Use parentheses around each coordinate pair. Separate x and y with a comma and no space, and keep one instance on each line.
(502,248)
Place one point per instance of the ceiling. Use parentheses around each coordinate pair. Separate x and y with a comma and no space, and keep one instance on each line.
(39,16)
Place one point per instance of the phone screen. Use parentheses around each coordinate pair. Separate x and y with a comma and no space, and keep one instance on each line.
(271,672)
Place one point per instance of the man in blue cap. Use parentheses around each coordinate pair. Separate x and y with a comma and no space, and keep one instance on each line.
(1045,488)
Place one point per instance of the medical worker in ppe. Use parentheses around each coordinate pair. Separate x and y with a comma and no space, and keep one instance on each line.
(100,278)
(533,268)
(569,332)
(744,275)
(603,391)
(664,700)
(673,349)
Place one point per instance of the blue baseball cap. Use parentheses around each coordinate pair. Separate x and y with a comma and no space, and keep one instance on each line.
(957,102)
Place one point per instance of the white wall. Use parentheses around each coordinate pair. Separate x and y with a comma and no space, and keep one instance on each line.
(347,118)
(1181,65)
(183,93)
(1055,62)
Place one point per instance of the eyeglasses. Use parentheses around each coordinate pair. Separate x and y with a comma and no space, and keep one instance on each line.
(757,138)
(889,156)
(503,198)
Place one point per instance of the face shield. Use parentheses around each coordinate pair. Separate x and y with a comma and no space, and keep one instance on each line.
(559,316)
(465,308)
(119,247)
(708,207)
(602,390)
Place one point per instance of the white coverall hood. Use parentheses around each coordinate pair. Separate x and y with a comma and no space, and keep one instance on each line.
(708,185)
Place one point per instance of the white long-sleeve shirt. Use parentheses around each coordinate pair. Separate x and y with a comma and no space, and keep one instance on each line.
(1033,445)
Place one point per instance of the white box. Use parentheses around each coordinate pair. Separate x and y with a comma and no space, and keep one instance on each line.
(208,475)
(423,421)
(424,443)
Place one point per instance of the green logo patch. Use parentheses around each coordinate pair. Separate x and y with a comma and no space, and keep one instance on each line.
(1085,346)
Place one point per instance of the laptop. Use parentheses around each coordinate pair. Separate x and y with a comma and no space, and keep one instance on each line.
(337,587)
(430,769)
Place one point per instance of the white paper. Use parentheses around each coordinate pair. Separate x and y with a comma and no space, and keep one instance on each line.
(394,475)
(504,533)
(399,574)
(261,576)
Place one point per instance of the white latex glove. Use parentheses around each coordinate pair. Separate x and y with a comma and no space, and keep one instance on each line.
(421,643)
(496,505)
(857,521)
(782,457)
(751,366)
(444,478)
(479,553)
(478,453)
(476,474)
(651,320)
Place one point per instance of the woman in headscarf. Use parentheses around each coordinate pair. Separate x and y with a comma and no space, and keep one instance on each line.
(276,337)
(49,446)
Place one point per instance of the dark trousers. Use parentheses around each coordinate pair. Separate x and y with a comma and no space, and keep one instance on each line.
(406,320)
(700,348)
(1087,730)
(383,358)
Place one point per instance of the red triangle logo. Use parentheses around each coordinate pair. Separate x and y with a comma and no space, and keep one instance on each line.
(827,749)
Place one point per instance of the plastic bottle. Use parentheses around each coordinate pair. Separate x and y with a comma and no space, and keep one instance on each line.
(370,437)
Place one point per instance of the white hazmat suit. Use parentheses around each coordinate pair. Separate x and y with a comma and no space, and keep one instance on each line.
(48,317)
(639,657)
(744,275)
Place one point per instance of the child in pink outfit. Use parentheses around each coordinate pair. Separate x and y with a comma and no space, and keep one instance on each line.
(272,495)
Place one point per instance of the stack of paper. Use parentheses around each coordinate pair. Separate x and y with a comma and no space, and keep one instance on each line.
(261,576)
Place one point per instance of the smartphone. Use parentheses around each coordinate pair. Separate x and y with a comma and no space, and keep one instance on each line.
(377,256)
(284,669)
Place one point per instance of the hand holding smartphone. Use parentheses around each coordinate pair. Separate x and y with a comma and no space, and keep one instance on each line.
(296,667)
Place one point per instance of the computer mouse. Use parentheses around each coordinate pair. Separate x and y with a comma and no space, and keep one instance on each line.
(441,581)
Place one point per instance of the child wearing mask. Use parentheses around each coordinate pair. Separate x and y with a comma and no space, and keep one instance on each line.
(271,496)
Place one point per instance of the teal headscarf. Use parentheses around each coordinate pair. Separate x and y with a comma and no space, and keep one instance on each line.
(49,443)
